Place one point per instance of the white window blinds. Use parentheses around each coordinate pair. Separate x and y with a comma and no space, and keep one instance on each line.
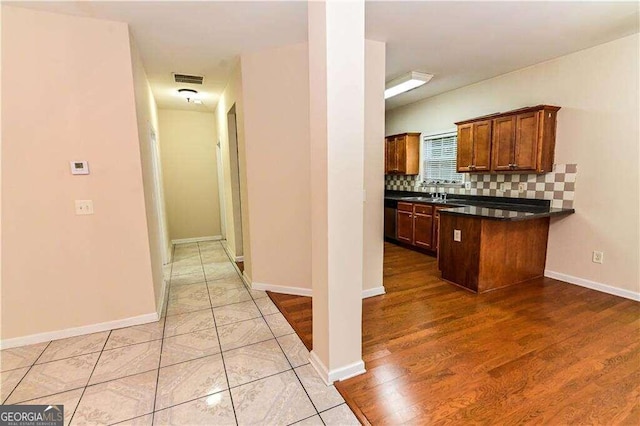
(439,158)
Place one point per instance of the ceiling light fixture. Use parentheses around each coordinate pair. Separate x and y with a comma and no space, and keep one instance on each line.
(405,83)
(189,94)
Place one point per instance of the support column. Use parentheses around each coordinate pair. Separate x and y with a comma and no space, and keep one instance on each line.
(337,85)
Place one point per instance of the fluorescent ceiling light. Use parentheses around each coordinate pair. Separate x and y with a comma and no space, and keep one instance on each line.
(405,83)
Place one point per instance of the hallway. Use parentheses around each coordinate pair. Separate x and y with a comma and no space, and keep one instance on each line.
(221,354)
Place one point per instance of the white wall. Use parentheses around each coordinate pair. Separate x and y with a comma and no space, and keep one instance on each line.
(598,128)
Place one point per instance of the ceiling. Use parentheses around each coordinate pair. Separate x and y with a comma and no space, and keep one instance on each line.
(461,43)
(194,37)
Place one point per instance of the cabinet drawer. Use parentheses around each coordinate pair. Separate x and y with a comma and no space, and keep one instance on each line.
(422,208)
(408,207)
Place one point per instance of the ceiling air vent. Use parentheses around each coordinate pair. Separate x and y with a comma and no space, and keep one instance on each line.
(186,78)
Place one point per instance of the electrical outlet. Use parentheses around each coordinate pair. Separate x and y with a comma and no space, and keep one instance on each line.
(84,207)
(522,186)
(457,235)
(598,257)
(467,185)
(503,187)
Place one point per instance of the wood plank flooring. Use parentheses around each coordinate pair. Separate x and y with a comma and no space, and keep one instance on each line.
(543,352)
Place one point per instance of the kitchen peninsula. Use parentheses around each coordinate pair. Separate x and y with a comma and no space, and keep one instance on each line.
(483,243)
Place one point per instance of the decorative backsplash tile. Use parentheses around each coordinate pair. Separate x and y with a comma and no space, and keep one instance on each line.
(558,186)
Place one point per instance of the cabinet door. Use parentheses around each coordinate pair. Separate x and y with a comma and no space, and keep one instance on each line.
(423,230)
(436,231)
(404,226)
(504,135)
(526,144)
(389,154)
(481,136)
(401,154)
(390,222)
(465,148)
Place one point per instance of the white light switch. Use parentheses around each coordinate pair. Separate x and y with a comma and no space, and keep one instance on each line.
(84,207)
(457,235)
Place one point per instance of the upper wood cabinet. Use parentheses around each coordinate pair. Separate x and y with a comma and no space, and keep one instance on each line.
(474,146)
(402,154)
(521,140)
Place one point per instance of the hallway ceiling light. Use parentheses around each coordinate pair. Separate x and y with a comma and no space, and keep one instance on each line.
(190,95)
(405,83)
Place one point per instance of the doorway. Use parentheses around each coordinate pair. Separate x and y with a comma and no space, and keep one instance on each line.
(234,165)
(158,195)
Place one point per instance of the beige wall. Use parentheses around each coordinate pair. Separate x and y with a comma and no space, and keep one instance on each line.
(233,95)
(67,94)
(188,142)
(147,120)
(276,105)
(374,165)
(598,128)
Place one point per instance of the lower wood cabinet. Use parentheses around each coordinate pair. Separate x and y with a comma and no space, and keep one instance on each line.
(404,224)
(415,226)
(491,254)
(423,226)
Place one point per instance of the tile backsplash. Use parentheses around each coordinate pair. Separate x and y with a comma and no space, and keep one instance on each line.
(557,186)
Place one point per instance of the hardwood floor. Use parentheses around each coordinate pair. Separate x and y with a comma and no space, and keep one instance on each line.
(543,352)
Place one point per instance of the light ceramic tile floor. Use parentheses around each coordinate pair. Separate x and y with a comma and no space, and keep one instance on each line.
(222,355)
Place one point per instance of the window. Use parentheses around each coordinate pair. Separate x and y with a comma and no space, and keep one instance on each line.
(439,158)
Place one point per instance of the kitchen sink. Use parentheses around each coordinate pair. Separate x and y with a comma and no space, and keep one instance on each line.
(425,199)
(429,200)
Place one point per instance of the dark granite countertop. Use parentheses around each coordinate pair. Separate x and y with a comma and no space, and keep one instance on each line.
(494,208)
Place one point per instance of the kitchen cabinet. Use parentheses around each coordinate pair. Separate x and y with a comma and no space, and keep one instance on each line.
(491,254)
(521,140)
(436,225)
(423,226)
(474,147)
(416,224)
(402,154)
(404,223)
(390,221)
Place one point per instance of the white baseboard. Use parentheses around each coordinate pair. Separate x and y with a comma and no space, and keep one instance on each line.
(197,239)
(301,291)
(77,331)
(296,291)
(370,292)
(593,285)
(342,373)
(231,255)
(246,278)
(163,297)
